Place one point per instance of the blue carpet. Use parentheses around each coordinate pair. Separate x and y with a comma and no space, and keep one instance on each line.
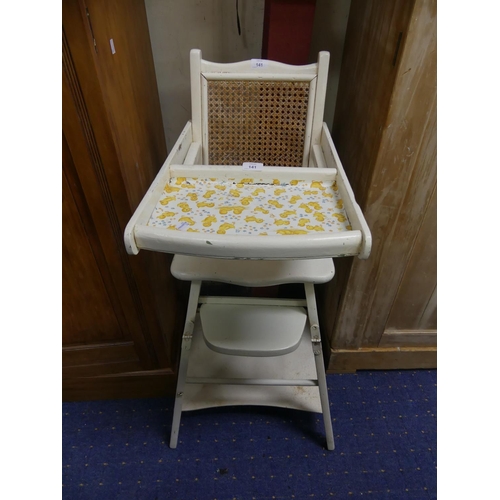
(385,435)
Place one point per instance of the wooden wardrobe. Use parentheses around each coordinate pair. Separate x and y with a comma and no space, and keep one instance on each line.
(119,313)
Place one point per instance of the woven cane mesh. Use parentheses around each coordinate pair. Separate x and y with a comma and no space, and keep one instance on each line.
(257,121)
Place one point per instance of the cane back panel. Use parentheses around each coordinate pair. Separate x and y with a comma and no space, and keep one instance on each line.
(257,121)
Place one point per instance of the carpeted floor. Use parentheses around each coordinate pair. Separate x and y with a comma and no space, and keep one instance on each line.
(385,435)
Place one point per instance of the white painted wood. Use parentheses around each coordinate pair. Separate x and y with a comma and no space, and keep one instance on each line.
(252,381)
(253,273)
(147,204)
(245,67)
(255,301)
(267,174)
(319,102)
(195,71)
(249,330)
(353,210)
(193,156)
(267,77)
(309,122)
(312,312)
(183,365)
(204,362)
(319,157)
(230,246)
(204,119)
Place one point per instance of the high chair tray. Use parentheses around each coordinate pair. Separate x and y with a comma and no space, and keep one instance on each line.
(238,212)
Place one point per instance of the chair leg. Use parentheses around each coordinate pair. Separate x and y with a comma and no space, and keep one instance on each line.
(187,337)
(312,313)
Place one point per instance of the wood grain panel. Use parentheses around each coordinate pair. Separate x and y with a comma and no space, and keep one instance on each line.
(382,358)
(128,83)
(376,32)
(99,359)
(409,338)
(88,313)
(121,97)
(149,384)
(414,305)
(402,182)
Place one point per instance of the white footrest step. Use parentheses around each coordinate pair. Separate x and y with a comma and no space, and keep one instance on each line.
(247,330)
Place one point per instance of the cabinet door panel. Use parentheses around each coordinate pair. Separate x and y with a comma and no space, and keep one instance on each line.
(88,315)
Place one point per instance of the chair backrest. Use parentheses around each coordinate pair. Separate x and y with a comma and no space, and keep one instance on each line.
(257,111)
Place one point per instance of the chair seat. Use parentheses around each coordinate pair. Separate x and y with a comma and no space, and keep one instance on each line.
(252,272)
(246,330)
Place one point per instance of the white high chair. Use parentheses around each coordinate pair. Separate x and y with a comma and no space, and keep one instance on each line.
(223,222)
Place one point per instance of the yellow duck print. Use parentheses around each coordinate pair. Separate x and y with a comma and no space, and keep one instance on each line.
(262,234)
(308,192)
(168,199)
(171,189)
(276,182)
(260,209)
(317,185)
(246,201)
(213,179)
(220,187)
(294,199)
(349,227)
(188,220)
(340,217)
(303,222)
(208,221)
(327,195)
(277,192)
(234,192)
(306,209)
(187,186)
(185,207)
(258,191)
(236,210)
(287,213)
(164,215)
(335,187)
(339,204)
(224,227)
(291,231)
(180,180)
(275,204)
(172,227)
(253,219)
(209,193)
(281,222)
(319,216)
(315,205)
(315,228)
(246,181)
(191,230)
(192,196)
(205,204)
(294,183)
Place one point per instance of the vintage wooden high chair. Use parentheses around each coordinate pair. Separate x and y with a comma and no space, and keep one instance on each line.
(252,194)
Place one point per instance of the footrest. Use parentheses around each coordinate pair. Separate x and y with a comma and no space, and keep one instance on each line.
(246,330)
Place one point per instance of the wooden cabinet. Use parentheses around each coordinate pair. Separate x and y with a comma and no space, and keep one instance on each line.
(119,313)
(382,312)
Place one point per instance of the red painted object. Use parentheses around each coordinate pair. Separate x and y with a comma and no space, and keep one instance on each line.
(288,28)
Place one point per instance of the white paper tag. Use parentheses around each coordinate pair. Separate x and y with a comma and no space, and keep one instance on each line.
(252,166)
(112,45)
(259,63)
